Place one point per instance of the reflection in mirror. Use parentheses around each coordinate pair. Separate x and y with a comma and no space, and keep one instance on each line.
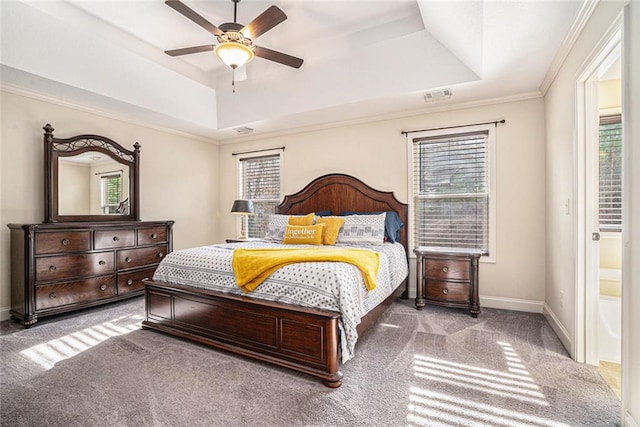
(90,178)
(92,183)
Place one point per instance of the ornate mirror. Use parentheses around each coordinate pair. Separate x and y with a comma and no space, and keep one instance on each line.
(90,178)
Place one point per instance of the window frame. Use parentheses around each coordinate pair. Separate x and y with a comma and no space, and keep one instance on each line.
(492,186)
(104,205)
(608,119)
(243,220)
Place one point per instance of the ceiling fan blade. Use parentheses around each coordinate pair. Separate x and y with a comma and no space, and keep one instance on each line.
(279,57)
(264,22)
(190,50)
(190,14)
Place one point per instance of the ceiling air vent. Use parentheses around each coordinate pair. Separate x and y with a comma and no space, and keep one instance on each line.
(437,95)
(243,130)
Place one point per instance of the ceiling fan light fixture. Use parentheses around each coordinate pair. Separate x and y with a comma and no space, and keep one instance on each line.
(234,54)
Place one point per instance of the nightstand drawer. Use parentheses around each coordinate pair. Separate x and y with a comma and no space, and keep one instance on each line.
(446,269)
(447,291)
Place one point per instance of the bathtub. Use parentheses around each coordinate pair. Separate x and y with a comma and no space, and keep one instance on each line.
(609,329)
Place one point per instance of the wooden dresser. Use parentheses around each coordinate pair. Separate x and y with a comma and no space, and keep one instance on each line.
(448,277)
(60,267)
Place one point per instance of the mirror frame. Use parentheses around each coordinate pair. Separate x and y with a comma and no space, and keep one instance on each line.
(55,148)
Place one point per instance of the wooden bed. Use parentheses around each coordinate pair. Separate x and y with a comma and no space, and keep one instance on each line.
(299,338)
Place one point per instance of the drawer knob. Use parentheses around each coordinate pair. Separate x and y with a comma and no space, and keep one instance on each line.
(445,269)
(154,236)
(52,295)
(103,287)
(101,262)
(129,282)
(52,268)
(116,238)
(445,291)
(127,259)
(65,242)
(160,254)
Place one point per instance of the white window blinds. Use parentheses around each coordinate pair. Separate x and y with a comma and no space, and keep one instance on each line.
(451,190)
(610,173)
(260,183)
(111,193)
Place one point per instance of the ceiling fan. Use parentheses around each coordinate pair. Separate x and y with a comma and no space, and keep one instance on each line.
(235,41)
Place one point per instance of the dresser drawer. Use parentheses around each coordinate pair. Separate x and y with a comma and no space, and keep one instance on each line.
(50,296)
(107,239)
(63,241)
(65,266)
(130,258)
(446,269)
(152,236)
(130,282)
(447,291)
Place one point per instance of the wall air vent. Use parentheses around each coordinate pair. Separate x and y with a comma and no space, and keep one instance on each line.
(437,95)
(243,130)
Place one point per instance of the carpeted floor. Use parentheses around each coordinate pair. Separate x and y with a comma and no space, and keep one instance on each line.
(437,367)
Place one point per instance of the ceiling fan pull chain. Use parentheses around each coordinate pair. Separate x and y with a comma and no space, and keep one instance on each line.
(233,79)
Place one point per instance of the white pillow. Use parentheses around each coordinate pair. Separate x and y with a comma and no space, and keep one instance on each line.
(276,225)
(362,229)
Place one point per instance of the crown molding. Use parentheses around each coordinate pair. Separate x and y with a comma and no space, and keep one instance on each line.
(583,16)
(386,117)
(17,90)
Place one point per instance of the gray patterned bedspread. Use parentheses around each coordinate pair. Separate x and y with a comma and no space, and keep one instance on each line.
(335,286)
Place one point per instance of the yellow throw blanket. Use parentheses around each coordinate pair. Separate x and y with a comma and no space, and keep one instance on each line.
(253,266)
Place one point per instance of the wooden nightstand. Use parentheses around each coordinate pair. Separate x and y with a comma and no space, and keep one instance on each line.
(448,277)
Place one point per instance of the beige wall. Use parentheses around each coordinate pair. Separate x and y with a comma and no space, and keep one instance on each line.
(561,258)
(76,180)
(609,95)
(560,119)
(376,152)
(178,177)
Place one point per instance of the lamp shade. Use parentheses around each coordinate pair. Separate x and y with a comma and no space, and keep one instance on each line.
(234,54)
(242,207)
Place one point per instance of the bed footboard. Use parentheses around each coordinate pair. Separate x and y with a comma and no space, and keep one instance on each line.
(299,338)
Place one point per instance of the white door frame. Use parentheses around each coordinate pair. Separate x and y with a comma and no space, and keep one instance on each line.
(585,344)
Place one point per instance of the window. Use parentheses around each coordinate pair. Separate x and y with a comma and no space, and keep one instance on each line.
(610,211)
(452,189)
(111,193)
(260,183)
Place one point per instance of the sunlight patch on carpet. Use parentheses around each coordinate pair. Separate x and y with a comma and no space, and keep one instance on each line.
(51,352)
(427,406)
(431,408)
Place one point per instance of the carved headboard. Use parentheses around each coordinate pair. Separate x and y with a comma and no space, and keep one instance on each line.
(339,192)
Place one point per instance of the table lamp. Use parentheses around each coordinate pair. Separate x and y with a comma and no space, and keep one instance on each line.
(242,207)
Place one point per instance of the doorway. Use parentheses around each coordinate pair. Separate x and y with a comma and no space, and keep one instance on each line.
(599,201)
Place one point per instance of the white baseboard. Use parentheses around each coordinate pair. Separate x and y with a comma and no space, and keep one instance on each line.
(515,304)
(557,327)
(629,421)
(4,313)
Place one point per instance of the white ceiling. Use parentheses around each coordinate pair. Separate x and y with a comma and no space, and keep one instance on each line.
(361,58)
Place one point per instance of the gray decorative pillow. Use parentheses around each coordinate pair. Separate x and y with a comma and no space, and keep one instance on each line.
(362,229)
(276,225)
